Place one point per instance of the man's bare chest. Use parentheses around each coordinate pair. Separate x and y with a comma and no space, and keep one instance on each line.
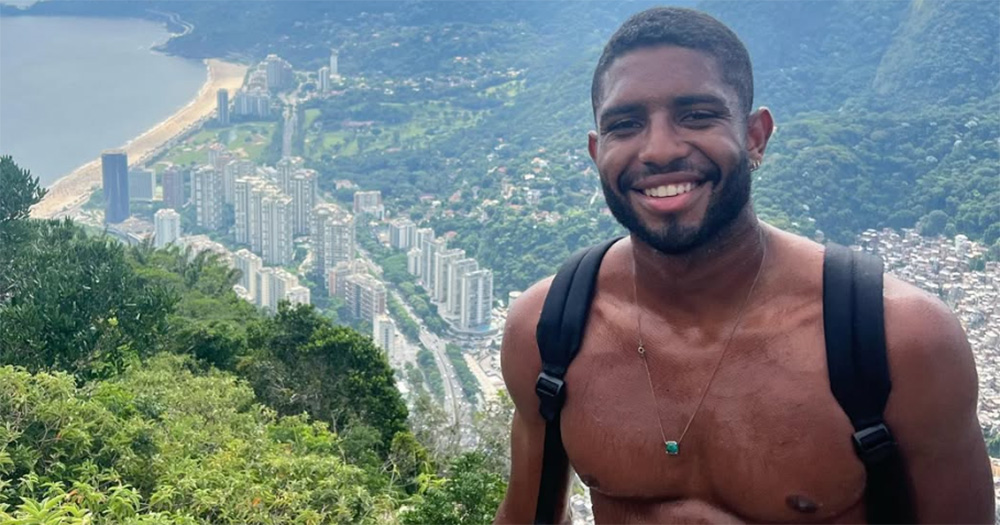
(769,442)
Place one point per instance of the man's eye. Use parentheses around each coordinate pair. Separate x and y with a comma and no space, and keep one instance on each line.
(699,115)
(623,125)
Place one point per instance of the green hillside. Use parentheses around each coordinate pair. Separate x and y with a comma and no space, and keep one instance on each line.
(135,387)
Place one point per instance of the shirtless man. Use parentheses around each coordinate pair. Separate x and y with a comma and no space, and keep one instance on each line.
(729,311)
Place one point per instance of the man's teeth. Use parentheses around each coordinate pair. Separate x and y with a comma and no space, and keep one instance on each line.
(670,190)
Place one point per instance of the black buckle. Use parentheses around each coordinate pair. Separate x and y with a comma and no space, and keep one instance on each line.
(551,394)
(873,444)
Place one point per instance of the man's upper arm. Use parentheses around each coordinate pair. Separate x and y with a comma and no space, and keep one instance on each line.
(521,364)
(932,410)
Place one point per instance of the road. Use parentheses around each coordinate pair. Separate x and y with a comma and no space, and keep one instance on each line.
(454,405)
(291,121)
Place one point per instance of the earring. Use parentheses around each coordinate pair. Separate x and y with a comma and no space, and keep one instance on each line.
(754,165)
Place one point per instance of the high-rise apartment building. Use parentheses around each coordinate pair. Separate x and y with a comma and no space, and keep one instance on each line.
(254,201)
(279,73)
(456,272)
(336,278)
(323,79)
(222,107)
(287,167)
(167,224)
(365,297)
(249,264)
(276,229)
(333,238)
(334,65)
(275,285)
(255,226)
(384,333)
(369,202)
(174,195)
(477,300)
(339,239)
(423,237)
(442,261)
(141,184)
(257,79)
(263,284)
(428,271)
(297,295)
(114,171)
(234,169)
(413,262)
(247,195)
(252,103)
(402,234)
(302,189)
(207,195)
(241,209)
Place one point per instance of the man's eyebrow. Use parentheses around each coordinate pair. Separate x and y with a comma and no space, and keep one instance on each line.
(692,100)
(623,109)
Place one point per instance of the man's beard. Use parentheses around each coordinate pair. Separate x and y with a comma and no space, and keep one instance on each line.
(675,239)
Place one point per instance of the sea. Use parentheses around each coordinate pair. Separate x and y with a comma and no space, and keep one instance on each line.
(72,87)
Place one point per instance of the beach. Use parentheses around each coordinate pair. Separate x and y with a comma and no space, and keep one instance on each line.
(74,189)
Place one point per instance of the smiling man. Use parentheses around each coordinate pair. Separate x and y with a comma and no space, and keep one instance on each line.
(701,391)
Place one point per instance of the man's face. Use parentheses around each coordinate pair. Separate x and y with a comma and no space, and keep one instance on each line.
(670,147)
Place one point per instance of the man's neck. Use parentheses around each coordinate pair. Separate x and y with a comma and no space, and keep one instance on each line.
(708,281)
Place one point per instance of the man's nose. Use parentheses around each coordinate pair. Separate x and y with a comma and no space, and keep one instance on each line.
(664,143)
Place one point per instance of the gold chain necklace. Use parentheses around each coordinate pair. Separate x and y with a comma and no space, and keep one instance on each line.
(671,447)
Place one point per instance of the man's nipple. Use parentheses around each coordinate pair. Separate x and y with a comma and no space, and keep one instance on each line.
(801,504)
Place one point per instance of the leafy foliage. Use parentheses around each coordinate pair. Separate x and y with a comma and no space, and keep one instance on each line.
(470,386)
(21,190)
(470,494)
(75,304)
(166,442)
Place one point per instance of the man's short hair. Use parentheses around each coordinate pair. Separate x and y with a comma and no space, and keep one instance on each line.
(676,26)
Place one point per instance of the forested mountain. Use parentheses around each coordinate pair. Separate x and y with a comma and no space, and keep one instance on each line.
(888,112)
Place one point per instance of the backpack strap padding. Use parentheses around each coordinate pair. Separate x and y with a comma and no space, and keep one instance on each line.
(854,329)
(559,334)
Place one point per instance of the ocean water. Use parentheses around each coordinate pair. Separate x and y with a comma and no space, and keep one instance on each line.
(72,87)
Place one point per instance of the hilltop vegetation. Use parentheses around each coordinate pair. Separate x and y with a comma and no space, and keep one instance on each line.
(136,387)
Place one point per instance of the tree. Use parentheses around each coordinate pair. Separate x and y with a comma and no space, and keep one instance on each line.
(20,190)
(301,363)
(469,495)
(75,304)
(492,425)
(934,223)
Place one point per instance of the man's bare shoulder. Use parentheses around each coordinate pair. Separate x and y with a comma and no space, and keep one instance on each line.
(520,361)
(925,339)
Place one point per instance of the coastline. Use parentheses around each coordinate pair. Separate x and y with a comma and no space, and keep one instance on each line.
(75,188)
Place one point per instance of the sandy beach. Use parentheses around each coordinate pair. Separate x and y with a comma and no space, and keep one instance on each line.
(75,188)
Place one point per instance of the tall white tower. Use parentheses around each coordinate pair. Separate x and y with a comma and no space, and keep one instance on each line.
(168,227)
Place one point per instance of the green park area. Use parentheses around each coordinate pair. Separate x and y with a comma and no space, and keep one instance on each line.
(250,138)
(402,126)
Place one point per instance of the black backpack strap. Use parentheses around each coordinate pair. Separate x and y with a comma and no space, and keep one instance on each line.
(559,333)
(854,327)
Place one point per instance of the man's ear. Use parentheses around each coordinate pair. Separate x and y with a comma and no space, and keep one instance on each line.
(592,145)
(760,126)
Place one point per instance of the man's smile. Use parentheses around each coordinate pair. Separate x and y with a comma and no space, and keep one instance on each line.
(670,198)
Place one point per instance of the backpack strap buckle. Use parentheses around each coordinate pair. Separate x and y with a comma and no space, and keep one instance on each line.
(874,443)
(550,394)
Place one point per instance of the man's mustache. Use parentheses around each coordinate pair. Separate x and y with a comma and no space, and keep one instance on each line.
(628,179)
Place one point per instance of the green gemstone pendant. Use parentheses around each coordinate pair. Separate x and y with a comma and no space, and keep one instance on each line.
(672,448)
